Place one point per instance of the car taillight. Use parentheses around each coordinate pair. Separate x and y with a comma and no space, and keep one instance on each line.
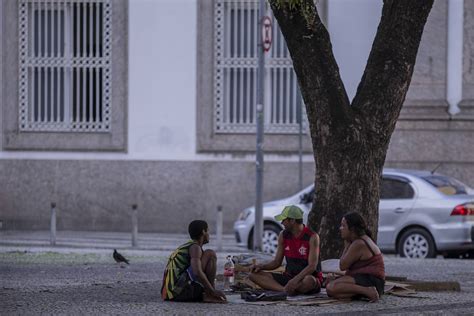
(463,210)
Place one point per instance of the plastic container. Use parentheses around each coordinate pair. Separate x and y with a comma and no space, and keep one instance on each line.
(229,273)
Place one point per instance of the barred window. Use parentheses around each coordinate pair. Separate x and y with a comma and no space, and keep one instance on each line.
(235,73)
(65,65)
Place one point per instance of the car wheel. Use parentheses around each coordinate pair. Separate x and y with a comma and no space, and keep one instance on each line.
(469,255)
(269,239)
(416,243)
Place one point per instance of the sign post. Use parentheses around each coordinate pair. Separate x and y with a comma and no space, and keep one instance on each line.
(264,44)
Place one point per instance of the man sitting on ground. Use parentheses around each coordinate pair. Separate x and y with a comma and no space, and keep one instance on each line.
(300,247)
(190,273)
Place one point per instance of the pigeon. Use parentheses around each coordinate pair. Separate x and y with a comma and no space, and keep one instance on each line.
(119,258)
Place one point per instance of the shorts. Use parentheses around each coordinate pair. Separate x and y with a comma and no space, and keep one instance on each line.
(368,280)
(283,279)
(191,292)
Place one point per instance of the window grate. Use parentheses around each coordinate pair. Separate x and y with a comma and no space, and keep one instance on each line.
(65,65)
(235,73)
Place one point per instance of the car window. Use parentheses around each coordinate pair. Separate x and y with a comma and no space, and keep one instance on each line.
(446,185)
(396,189)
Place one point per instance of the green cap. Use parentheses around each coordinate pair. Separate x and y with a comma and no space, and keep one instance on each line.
(290,211)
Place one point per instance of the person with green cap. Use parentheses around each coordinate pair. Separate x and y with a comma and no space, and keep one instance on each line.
(299,245)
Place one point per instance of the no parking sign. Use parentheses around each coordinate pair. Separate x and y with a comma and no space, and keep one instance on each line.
(266,33)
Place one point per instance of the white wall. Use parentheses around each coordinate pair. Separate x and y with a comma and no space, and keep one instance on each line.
(162,77)
(162,82)
(352,27)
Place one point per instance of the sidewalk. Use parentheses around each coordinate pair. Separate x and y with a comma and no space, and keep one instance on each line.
(79,276)
(98,242)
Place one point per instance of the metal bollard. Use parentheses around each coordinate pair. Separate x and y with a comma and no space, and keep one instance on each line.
(219,223)
(134,226)
(52,237)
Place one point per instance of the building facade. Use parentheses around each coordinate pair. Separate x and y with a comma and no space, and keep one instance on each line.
(110,103)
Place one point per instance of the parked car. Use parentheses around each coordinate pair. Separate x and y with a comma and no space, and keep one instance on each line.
(421,214)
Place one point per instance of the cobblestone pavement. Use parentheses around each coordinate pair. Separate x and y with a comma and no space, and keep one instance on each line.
(91,283)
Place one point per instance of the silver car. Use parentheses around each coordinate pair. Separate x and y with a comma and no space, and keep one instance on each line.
(421,214)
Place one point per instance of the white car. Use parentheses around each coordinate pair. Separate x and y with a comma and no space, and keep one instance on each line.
(421,214)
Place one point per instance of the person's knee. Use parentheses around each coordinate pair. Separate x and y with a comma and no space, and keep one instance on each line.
(210,254)
(253,276)
(330,289)
(311,281)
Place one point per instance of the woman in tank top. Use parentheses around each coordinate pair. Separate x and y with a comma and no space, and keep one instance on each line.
(362,261)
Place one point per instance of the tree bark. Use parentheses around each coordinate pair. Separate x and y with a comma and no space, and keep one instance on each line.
(350,141)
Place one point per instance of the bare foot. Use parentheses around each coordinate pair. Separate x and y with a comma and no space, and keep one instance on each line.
(212,299)
(291,293)
(372,294)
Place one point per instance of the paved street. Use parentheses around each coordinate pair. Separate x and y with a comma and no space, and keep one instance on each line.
(85,280)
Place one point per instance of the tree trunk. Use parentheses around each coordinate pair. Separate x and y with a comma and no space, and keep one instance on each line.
(350,141)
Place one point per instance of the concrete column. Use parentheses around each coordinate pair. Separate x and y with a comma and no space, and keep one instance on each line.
(52,235)
(134,226)
(219,225)
(2,103)
(467,104)
(455,54)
